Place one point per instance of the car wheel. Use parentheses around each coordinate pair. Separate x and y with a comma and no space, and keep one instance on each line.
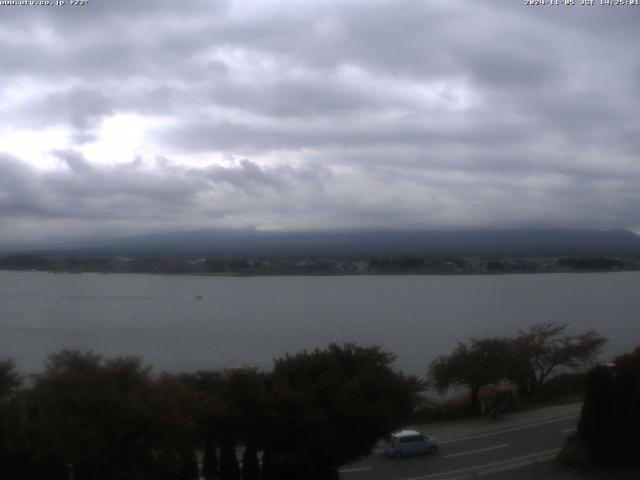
(433,449)
(397,455)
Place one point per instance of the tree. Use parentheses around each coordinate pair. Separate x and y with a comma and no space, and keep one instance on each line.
(250,463)
(595,419)
(187,463)
(608,425)
(232,407)
(336,403)
(243,399)
(625,409)
(229,468)
(173,406)
(542,350)
(10,381)
(21,455)
(93,413)
(474,366)
(208,414)
(210,459)
(12,431)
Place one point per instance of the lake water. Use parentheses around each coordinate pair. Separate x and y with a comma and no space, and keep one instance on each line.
(243,320)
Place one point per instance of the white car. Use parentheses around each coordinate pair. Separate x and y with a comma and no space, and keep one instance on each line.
(406,443)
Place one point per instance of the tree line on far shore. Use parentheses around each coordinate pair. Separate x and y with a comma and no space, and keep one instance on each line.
(87,417)
(319,265)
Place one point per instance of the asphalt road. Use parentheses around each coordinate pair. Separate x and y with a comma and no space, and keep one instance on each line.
(486,454)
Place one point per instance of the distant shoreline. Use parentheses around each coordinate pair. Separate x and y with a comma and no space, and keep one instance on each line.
(323,266)
(310,274)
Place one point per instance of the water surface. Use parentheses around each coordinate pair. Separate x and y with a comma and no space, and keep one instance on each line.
(255,319)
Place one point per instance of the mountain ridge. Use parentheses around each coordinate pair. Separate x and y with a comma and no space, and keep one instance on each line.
(255,243)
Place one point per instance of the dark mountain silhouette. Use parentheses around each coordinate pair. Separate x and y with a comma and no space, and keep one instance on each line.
(251,243)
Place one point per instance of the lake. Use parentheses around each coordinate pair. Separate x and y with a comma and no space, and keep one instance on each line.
(242,320)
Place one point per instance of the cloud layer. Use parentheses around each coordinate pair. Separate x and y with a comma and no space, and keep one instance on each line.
(125,117)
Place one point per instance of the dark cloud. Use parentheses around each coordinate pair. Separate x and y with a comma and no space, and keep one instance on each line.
(147,192)
(326,114)
(18,188)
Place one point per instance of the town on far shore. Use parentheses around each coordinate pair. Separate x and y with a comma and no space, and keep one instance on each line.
(325,265)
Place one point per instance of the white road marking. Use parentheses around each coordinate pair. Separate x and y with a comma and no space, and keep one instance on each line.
(504,468)
(487,465)
(513,429)
(476,451)
(569,430)
(358,469)
(544,458)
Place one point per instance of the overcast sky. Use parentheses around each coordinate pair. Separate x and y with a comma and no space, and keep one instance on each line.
(124,117)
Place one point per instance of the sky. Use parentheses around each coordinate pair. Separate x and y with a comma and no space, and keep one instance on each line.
(121,117)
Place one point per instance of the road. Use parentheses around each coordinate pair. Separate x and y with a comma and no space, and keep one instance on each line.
(483,454)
